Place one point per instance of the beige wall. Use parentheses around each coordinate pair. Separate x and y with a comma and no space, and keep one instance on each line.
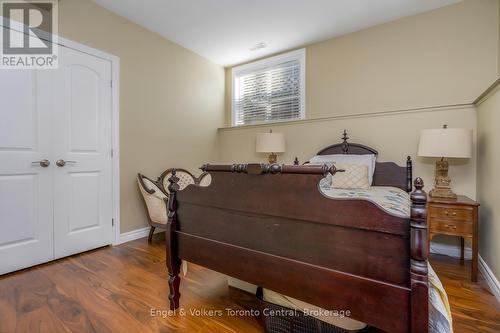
(171,100)
(434,64)
(394,135)
(488,181)
(446,57)
(498,44)
(443,57)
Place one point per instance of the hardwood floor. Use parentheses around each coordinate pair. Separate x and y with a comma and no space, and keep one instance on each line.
(116,289)
(473,306)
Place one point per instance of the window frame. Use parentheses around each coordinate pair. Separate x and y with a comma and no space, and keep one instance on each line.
(237,71)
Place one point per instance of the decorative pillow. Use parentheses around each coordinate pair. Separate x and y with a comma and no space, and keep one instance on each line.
(367,159)
(354,177)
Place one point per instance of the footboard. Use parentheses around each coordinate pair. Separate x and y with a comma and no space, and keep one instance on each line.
(270,225)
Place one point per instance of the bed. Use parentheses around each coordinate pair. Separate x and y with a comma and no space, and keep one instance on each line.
(271,226)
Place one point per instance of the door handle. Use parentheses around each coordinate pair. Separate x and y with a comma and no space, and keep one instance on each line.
(43,163)
(61,162)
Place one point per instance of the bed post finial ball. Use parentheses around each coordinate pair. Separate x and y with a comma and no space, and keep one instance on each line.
(418,196)
(419,183)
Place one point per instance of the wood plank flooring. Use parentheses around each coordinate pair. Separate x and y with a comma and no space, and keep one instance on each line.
(117,289)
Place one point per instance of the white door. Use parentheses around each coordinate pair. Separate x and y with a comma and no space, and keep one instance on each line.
(26,186)
(50,210)
(82,133)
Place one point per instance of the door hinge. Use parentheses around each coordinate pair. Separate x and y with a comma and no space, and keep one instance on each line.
(111,83)
(111,152)
(112,222)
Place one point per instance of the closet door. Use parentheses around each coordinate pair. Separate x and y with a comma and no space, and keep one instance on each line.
(26,187)
(82,146)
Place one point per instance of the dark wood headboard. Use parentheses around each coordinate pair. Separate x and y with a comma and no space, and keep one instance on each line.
(386,173)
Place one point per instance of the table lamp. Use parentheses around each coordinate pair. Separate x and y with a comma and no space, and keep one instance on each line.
(444,143)
(271,143)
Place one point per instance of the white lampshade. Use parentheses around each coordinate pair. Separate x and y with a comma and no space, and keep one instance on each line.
(270,143)
(446,142)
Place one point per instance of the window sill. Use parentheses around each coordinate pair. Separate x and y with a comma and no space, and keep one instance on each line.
(266,124)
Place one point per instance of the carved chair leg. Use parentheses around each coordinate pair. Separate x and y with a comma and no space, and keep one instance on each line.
(151,232)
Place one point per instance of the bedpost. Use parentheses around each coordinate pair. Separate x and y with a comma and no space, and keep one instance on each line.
(173,261)
(409,175)
(418,263)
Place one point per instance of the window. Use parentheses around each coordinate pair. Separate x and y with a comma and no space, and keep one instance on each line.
(270,90)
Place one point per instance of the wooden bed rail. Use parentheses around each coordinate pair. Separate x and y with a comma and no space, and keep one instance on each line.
(243,223)
(273,169)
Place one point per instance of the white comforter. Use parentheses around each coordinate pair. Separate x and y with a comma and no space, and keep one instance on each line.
(392,200)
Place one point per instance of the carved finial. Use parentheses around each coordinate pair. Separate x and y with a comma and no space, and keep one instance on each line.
(274,168)
(173,180)
(344,136)
(204,167)
(418,197)
(345,145)
(296,161)
(419,183)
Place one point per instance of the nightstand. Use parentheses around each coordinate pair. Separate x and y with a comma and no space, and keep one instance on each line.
(455,217)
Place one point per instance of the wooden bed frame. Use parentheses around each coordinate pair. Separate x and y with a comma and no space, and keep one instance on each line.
(270,225)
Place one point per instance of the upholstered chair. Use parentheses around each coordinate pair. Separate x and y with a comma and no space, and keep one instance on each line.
(204,179)
(155,193)
(185,178)
(154,197)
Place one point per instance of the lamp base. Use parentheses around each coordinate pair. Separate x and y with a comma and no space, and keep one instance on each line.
(273,158)
(442,182)
(442,193)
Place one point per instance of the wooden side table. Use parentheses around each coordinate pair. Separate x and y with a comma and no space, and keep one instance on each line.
(455,217)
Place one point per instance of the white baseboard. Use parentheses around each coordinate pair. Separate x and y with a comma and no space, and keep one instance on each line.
(450,250)
(133,235)
(490,278)
(454,251)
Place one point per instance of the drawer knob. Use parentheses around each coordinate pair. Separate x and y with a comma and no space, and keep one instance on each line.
(447,213)
(450,226)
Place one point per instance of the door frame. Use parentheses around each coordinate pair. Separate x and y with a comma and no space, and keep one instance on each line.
(115,126)
(115,117)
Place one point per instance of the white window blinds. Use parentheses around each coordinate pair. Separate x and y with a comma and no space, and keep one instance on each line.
(270,90)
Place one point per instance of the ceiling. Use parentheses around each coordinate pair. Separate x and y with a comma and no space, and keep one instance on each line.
(230,32)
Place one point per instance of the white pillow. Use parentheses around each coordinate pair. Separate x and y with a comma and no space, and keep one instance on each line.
(368,159)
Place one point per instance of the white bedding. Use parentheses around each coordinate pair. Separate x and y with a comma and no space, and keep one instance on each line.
(392,200)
